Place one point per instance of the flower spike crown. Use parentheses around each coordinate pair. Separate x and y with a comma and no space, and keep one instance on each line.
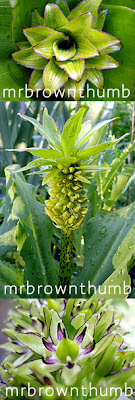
(67,48)
(59,344)
(67,166)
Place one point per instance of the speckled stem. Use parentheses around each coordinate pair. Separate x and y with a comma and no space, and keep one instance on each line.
(66,256)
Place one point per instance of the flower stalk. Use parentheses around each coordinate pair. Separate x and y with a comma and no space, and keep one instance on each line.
(66,259)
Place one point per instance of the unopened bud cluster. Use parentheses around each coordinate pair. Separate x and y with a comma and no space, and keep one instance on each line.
(59,344)
(68,201)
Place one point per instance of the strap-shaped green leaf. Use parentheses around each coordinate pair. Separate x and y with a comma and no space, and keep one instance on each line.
(28,219)
(54,17)
(102,40)
(102,62)
(51,136)
(84,47)
(38,33)
(74,69)
(11,276)
(116,278)
(97,149)
(29,59)
(118,185)
(125,251)
(118,162)
(36,81)
(53,77)
(111,228)
(70,132)
(76,24)
(63,54)
(96,78)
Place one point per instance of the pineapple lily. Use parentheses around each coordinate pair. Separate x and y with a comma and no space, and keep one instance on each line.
(66,48)
(67,168)
(59,344)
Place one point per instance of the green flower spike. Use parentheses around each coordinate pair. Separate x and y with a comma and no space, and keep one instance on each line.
(66,48)
(66,168)
(58,345)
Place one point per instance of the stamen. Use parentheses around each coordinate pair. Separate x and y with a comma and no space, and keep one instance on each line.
(68,359)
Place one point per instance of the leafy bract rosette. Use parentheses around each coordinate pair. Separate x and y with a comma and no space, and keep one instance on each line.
(67,166)
(66,48)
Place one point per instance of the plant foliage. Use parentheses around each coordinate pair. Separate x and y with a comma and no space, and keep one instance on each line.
(27,235)
(68,70)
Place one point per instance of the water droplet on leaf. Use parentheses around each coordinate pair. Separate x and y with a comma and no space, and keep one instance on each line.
(103,230)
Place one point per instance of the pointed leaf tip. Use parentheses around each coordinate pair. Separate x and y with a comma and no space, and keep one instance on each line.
(49,131)
(70,132)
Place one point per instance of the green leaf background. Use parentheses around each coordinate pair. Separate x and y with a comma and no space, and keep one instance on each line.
(102,236)
(120,21)
(27,229)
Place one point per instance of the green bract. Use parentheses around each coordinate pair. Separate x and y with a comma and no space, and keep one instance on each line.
(58,344)
(65,48)
(67,166)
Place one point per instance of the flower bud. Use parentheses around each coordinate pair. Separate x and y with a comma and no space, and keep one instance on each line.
(70,177)
(71,169)
(71,220)
(65,215)
(65,170)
